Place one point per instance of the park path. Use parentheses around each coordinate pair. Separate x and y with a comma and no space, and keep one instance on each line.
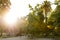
(25,38)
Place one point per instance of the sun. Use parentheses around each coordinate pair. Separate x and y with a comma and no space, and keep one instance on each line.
(10,19)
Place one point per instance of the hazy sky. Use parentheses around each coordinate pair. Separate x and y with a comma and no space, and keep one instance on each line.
(21,6)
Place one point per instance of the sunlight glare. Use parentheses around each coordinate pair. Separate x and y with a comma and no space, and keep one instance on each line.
(10,18)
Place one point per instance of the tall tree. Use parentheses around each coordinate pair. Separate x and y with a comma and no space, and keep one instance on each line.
(4,6)
(54,20)
(36,25)
(46,6)
(57,2)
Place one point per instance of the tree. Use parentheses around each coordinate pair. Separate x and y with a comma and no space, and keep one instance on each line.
(36,26)
(57,2)
(46,6)
(4,6)
(54,21)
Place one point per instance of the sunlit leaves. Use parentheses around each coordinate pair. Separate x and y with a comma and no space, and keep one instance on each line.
(46,6)
(54,21)
(57,2)
(30,7)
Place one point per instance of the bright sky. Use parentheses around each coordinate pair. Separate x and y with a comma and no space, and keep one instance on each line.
(19,8)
